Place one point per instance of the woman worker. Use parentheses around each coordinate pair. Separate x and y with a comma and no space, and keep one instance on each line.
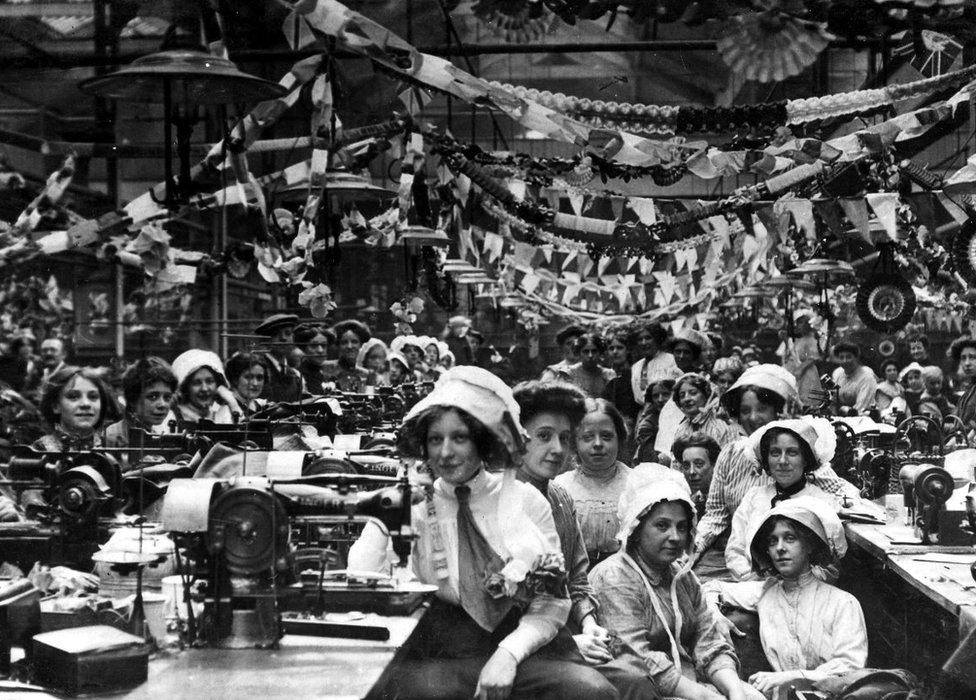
(477,517)
(655,608)
(810,630)
(148,387)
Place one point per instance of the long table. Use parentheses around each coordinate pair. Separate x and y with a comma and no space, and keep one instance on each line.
(918,601)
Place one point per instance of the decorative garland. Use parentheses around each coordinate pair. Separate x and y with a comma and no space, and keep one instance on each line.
(765,116)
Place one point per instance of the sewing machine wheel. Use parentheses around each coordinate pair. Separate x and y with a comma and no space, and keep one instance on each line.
(81,491)
(933,485)
(249,527)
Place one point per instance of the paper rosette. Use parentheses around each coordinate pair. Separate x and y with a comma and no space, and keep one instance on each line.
(886,302)
(771,46)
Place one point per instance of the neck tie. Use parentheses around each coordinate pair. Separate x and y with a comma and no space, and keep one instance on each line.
(476,561)
(784,494)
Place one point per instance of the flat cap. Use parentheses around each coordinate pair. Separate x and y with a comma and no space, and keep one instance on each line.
(272,324)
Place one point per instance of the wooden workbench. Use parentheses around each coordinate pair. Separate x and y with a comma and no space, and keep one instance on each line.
(302,667)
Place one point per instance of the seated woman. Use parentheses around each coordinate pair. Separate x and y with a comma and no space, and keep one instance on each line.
(343,372)
(809,629)
(314,341)
(888,388)
(247,373)
(76,403)
(148,387)
(598,480)
(695,395)
(550,412)
(694,457)
(400,372)
(476,518)
(203,393)
(667,632)
(372,357)
(787,450)
(657,395)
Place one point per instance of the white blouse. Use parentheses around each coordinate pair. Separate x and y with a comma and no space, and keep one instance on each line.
(804,625)
(543,617)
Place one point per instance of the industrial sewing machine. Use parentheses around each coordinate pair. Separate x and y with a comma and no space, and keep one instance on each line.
(237,536)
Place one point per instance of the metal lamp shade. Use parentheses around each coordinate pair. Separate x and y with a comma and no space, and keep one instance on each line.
(475,278)
(346,186)
(423,236)
(195,78)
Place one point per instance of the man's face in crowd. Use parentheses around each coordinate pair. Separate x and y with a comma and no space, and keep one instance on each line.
(52,353)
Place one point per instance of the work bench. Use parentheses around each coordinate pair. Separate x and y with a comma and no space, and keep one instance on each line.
(918,601)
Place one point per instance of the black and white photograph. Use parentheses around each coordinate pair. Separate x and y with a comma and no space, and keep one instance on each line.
(488,349)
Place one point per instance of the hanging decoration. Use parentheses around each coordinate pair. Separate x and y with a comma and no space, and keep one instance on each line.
(964,251)
(886,301)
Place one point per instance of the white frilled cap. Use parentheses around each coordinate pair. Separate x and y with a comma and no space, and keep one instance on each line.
(401,341)
(190,361)
(818,434)
(907,369)
(479,393)
(398,357)
(777,379)
(647,486)
(810,512)
(367,347)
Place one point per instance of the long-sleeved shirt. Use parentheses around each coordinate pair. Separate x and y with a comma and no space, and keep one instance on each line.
(736,471)
(626,610)
(856,390)
(573,549)
(543,617)
(804,625)
(755,504)
(596,503)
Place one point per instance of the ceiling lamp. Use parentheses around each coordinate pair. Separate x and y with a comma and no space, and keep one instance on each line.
(343,184)
(423,236)
(181,80)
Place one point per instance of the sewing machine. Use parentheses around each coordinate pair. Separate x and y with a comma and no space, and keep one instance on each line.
(866,454)
(926,488)
(238,534)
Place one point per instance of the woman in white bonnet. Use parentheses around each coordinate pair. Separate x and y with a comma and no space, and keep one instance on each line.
(666,633)
(809,629)
(472,643)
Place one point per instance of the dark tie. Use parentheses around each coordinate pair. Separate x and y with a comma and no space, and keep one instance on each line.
(477,560)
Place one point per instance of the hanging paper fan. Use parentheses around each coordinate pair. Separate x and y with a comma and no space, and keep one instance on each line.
(886,302)
(886,348)
(771,46)
(964,251)
(932,53)
(515,20)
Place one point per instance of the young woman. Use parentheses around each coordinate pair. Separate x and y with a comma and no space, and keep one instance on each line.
(148,387)
(76,403)
(888,388)
(809,629)
(694,457)
(373,358)
(400,372)
(598,480)
(668,633)
(472,644)
(788,451)
(246,374)
(856,383)
(588,374)
(659,392)
(203,391)
(619,391)
(550,412)
(343,372)
(910,378)
(654,362)
(695,397)
(725,372)
(314,342)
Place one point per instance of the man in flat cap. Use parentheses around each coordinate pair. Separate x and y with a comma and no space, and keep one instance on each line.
(284,382)
(566,339)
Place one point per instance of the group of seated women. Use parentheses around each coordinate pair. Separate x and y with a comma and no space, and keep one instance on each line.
(525,473)
(529,481)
